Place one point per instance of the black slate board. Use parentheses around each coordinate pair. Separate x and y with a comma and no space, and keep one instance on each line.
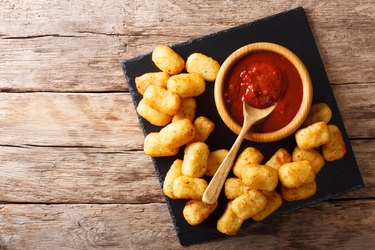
(290,29)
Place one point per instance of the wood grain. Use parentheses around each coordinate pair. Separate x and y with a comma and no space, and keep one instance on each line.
(97,175)
(123,227)
(37,44)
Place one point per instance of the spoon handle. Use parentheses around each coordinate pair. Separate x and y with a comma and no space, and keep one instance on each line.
(213,190)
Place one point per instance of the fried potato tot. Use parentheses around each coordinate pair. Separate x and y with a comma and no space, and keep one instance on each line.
(153,116)
(173,172)
(167,60)
(185,187)
(234,188)
(250,155)
(335,149)
(203,127)
(319,112)
(311,155)
(312,136)
(155,78)
(260,177)
(195,159)
(203,65)
(229,223)
(274,201)
(187,110)
(294,174)
(186,84)
(249,204)
(279,158)
(299,193)
(177,133)
(214,161)
(153,146)
(196,211)
(162,99)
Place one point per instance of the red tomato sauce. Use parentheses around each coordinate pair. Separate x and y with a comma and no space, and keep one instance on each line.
(261,80)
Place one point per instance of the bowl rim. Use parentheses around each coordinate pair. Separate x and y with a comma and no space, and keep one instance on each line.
(303,111)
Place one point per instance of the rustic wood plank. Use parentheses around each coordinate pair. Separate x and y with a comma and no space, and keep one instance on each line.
(89,40)
(96,175)
(109,120)
(148,226)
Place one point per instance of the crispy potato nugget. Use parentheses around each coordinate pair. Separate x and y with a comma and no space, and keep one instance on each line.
(173,172)
(195,159)
(203,65)
(196,211)
(249,156)
(178,133)
(335,149)
(187,110)
(279,158)
(312,136)
(274,201)
(299,193)
(311,155)
(249,204)
(260,177)
(234,188)
(155,78)
(154,147)
(186,84)
(161,99)
(215,158)
(294,174)
(167,60)
(203,127)
(319,112)
(185,187)
(229,223)
(152,115)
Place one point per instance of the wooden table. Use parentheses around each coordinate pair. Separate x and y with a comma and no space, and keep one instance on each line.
(72,171)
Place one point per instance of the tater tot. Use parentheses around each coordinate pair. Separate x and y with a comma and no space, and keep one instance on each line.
(196,211)
(186,84)
(229,223)
(155,117)
(185,187)
(294,174)
(203,127)
(249,204)
(187,110)
(173,172)
(279,158)
(319,112)
(260,177)
(155,78)
(167,60)
(177,133)
(234,188)
(312,136)
(162,99)
(299,193)
(154,147)
(274,201)
(335,149)
(195,159)
(214,161)
(248,156)
(203,65)
(311,155)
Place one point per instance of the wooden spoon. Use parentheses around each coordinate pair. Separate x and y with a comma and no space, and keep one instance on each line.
(251,116)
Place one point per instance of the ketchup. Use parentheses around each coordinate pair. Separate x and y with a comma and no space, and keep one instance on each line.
(263,79)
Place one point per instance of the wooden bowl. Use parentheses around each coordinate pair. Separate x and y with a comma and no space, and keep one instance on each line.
(303,111)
